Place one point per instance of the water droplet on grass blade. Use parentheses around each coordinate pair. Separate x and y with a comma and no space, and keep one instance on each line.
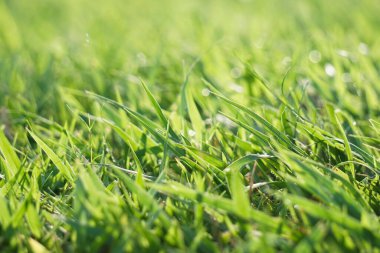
(224,120)
(315,56)
(303,81)
(343,53)
(88,38)
(363,48)
(205,92)
(236,72)
(236,87)
(330,70)
(286,61)
(191,133)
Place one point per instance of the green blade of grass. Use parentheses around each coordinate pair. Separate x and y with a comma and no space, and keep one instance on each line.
(217,202)
(5,216)
(144,197)
(276,133)
(11,161)
(158,110)
(66,171)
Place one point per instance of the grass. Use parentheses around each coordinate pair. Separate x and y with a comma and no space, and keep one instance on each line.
(189,126)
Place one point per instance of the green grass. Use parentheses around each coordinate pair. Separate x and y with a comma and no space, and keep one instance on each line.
(190,126)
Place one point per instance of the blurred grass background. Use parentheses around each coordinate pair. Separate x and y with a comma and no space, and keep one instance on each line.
(45,45)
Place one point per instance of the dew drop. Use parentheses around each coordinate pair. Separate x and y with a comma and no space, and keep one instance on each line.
(224,120)
(237,88)
(343,53)
(330,70)
(191,133)
(363,48)
(303,81)
(87,38)
(286,60)
(315,56)
(205,92)
(236,72)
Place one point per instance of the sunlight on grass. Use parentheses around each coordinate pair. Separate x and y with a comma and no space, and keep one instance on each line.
(189,126)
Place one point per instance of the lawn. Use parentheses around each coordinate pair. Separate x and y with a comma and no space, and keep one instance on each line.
(190,126)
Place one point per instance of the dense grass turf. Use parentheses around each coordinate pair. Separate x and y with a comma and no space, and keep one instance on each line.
(206,126)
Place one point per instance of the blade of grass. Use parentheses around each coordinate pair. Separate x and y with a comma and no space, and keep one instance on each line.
(66,171)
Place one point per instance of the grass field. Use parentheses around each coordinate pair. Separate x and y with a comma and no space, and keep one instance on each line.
(190,126)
